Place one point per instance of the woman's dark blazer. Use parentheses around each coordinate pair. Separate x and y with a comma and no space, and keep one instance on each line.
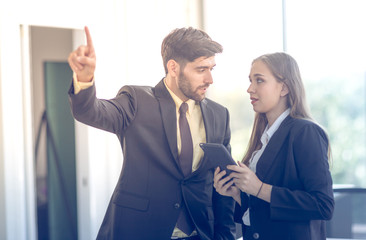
(295,163)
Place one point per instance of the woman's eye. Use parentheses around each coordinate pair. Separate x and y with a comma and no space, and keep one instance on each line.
(259,80)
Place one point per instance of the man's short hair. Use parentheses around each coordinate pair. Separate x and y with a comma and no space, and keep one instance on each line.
(187,44)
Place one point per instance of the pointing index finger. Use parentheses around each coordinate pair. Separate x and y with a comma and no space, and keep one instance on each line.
(89,41)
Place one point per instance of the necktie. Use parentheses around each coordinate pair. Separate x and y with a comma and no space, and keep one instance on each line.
(186,153)
(184,222)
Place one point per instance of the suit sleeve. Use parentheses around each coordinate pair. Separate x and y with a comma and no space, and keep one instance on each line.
(224,225)
(110,115)
(314,199)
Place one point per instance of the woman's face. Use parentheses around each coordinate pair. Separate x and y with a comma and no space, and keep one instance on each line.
(267,95)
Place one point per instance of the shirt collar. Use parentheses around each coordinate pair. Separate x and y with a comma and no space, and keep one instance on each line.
(270,131)
(191,103)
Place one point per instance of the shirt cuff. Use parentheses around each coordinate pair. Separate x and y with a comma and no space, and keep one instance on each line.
(78,86)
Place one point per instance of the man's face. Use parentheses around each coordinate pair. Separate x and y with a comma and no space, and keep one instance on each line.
(196,77)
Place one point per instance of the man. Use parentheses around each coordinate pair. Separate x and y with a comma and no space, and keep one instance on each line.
(165,190)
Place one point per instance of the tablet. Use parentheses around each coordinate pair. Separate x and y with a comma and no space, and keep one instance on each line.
(218,155)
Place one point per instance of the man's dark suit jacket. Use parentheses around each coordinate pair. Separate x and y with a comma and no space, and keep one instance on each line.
(295,163)
(149,193)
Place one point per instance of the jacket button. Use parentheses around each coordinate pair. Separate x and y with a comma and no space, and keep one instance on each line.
(256,235)
(177,205)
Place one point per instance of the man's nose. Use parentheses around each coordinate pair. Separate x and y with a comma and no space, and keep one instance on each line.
(209,78)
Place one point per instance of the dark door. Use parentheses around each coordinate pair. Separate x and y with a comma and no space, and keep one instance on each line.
(61,179)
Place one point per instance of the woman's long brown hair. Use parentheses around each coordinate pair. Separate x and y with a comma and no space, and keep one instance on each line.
(285,69)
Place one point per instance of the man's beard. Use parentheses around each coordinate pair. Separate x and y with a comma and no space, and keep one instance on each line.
(186,88)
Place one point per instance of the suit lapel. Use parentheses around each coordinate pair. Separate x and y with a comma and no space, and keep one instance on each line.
(208,120)
(169,118)
(274,146)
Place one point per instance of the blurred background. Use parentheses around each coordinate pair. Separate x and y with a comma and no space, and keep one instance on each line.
(57,175)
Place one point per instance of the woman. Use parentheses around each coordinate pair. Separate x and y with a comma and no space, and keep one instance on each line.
(283,187)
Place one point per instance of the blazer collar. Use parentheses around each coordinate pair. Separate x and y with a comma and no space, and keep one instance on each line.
(167,106)
(274,145)
(168,115)
(208,120)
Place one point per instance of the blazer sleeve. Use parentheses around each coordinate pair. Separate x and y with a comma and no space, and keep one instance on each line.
(314,199)
(240,209)
(224,226)
(110,115)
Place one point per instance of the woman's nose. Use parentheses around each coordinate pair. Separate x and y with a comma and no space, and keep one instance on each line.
(250,89)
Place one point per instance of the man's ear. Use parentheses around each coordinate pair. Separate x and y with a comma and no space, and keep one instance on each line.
(284,90)
(173,68)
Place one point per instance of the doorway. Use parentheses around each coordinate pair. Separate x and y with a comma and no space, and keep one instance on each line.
(55,162)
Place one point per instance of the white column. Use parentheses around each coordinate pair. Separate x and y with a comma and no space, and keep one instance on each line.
(17,184)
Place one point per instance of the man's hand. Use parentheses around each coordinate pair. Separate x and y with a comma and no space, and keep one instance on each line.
(83,61)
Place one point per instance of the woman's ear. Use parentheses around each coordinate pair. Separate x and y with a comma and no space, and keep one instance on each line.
(173,68)
(284,90)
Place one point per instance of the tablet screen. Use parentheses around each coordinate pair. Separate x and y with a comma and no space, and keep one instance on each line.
(218,155)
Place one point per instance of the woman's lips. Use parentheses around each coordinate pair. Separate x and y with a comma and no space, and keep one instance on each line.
(253,100)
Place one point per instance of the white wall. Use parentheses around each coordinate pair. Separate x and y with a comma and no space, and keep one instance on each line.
(13,155)
(127,39)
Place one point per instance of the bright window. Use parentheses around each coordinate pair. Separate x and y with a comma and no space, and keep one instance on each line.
(328,40)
